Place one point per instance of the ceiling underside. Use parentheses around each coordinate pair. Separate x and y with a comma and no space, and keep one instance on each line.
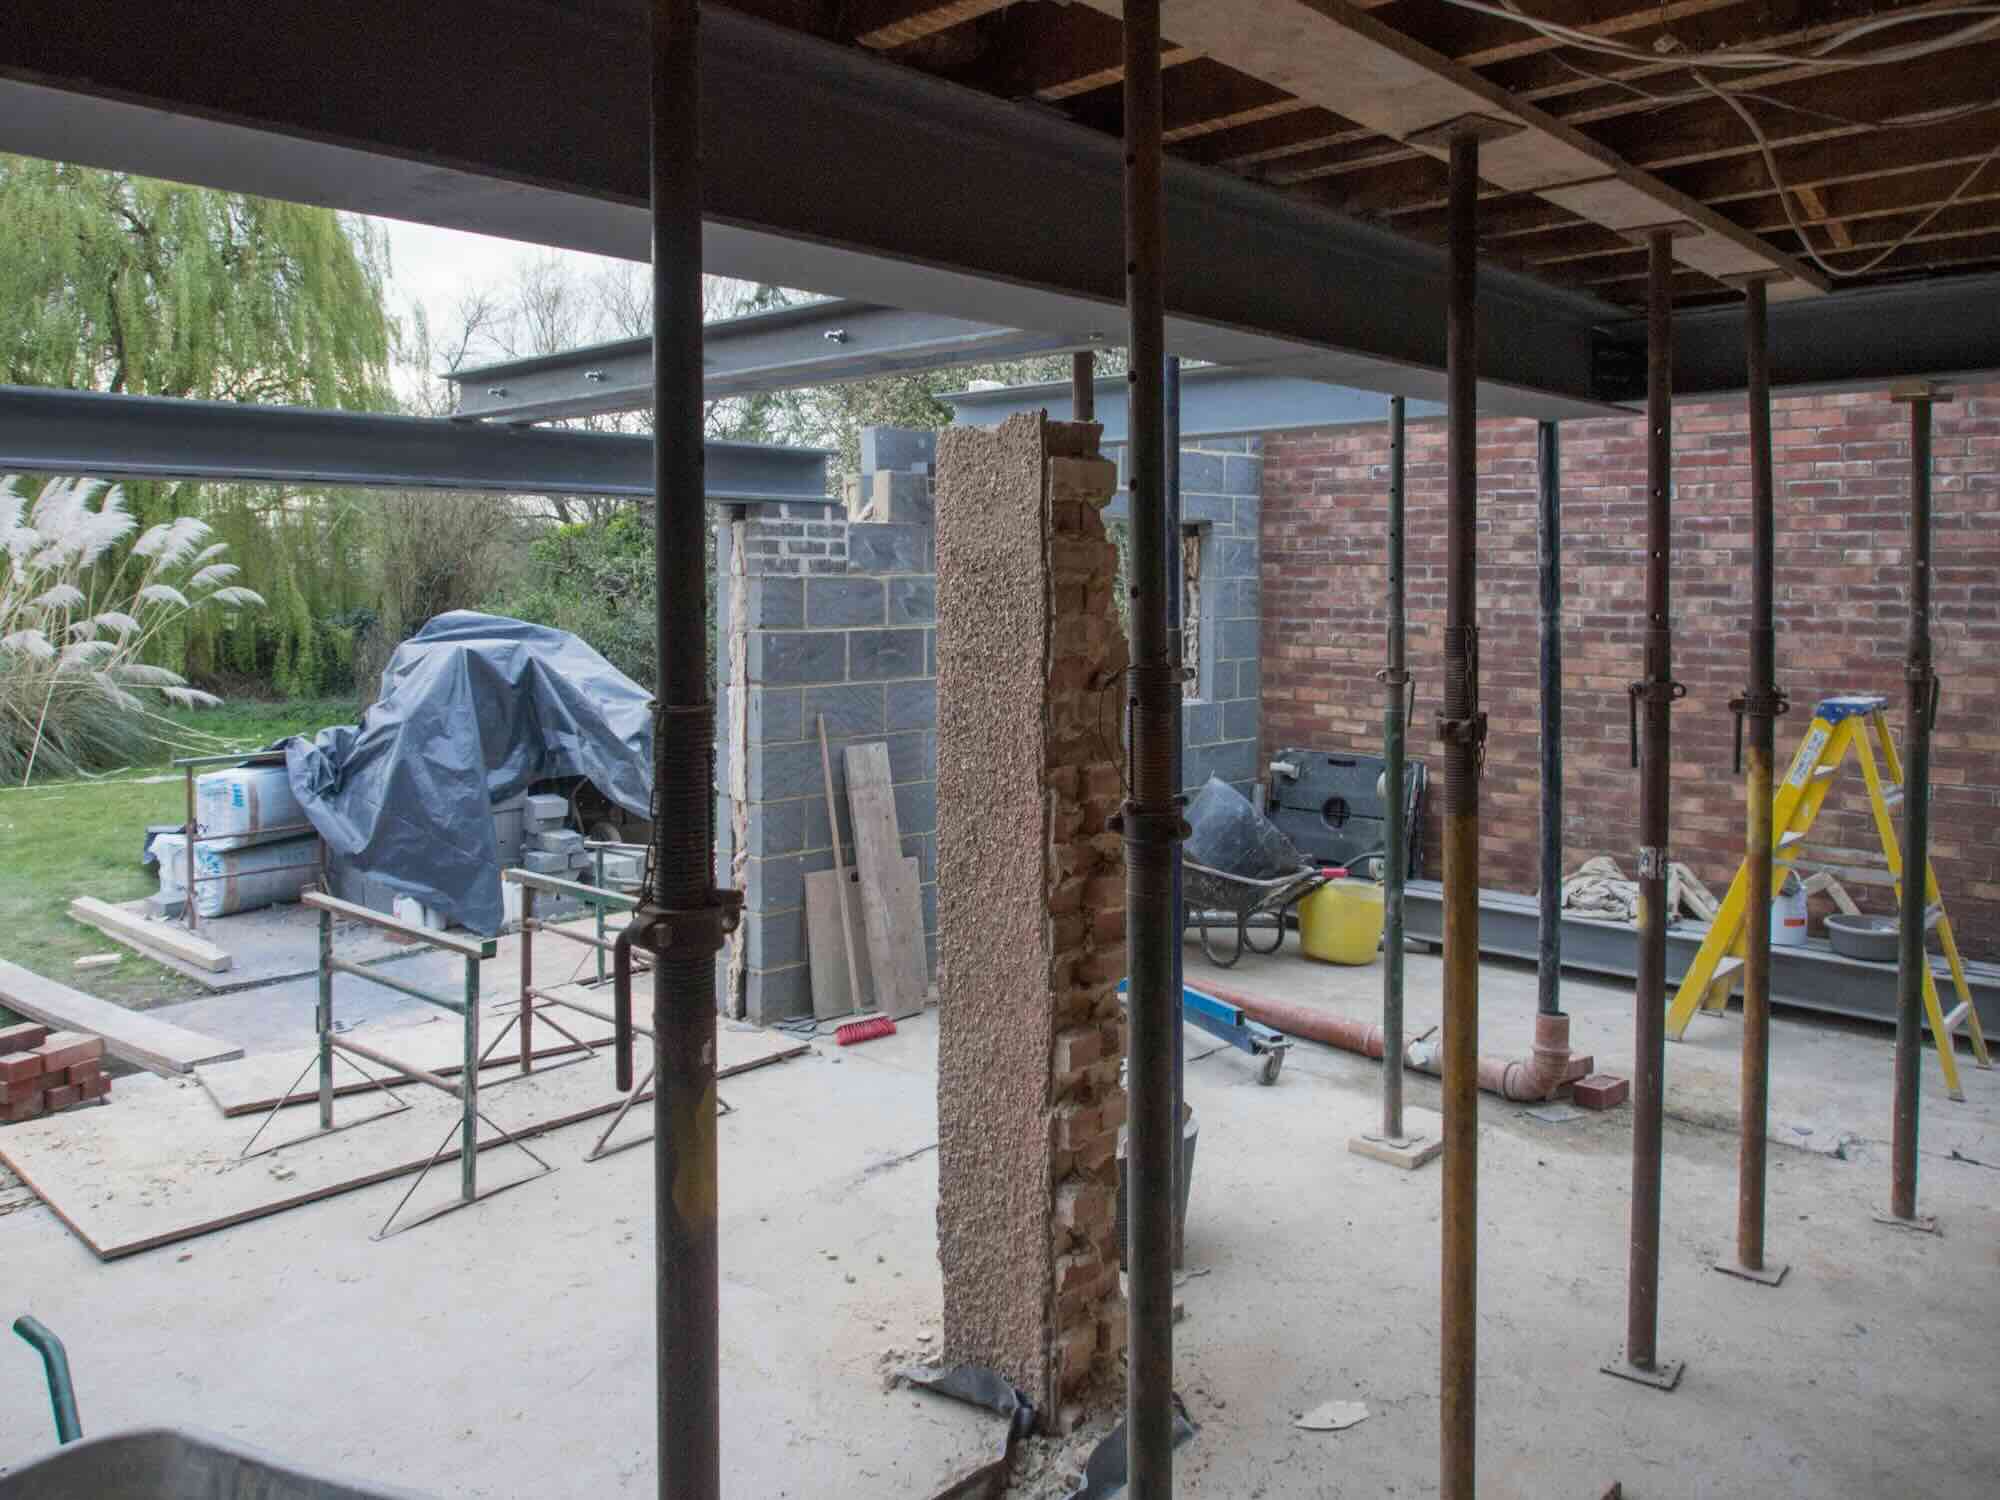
(961,157)
(1887,170)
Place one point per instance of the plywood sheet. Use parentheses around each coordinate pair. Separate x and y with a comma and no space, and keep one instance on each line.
(891,905)
(826,943)
(160,1164)
(128,1034)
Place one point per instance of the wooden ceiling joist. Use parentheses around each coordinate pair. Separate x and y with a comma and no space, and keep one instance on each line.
(1329,53)
(883,24)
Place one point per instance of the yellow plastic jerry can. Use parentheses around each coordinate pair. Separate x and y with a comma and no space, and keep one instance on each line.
(1341,922)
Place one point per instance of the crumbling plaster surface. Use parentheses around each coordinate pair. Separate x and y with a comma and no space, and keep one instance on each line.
(995,1024)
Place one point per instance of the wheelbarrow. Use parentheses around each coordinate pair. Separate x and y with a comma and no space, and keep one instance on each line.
(155,1463)
(1207,894)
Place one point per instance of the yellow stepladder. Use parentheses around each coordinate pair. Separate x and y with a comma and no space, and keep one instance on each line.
(1859,723)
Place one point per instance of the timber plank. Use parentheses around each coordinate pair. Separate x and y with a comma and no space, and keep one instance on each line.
(826,945)
(134,930)
(891,906)
(129,1034)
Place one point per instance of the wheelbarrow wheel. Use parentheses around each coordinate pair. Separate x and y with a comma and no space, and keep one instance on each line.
(1273,1063)
(1243,931)
(1208,945)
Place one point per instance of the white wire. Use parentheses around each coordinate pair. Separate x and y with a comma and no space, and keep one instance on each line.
(1817,57)
(1791,214)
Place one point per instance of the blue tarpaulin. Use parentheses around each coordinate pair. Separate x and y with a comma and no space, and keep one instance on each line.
(474,710)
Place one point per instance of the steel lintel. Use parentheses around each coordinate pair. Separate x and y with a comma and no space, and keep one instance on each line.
(817,343)
(157,437)
(1216,401)
(826,168)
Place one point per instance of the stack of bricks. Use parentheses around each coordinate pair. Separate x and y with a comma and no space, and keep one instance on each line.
(1087,660)
(43,1072)
(1031,928)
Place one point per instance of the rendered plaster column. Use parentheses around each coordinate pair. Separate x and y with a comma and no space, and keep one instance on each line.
(1031,930)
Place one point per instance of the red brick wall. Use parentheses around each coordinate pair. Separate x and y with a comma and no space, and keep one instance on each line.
(1842,472)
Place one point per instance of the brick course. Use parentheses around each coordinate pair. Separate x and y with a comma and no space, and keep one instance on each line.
(1841,467)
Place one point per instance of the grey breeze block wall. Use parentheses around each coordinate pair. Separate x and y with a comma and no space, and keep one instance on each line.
(1222,484)
(829,612)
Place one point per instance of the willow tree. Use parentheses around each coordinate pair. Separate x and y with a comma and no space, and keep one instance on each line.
(117,283)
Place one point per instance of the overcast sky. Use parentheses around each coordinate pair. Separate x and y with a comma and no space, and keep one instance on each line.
(433,268)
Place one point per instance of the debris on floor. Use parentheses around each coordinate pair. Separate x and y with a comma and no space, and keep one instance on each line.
(1333,1416)
(1599,889)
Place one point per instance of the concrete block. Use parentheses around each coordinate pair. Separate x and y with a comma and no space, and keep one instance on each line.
(1203,473)
(901,499)
(1235,557)
(624,869)
(912,601)
(542,862)
(775,828)
(881,548)
(844,602)
(1249,678)
(783,658)
(1237,640)
(777,994)
(911,705)
(874,655)
(778,773)
(774,884)
(559,840)
(916,807)
(1244,476)
(546,809)
(24,1037)
(897,448)
(912,755)
(1208,510)
(775,940)
(773,714)
(774,603)
(851,710)
(1242,598)
(1239,719)
(1201,723)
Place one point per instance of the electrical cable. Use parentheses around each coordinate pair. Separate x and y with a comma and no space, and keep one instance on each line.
(1817,57)
(1791,214)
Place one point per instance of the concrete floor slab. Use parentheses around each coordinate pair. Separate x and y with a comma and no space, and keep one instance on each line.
(507,1350)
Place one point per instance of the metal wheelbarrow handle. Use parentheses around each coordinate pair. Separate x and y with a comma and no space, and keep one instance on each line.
(55,1361)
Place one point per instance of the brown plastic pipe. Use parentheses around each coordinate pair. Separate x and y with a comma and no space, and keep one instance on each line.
(1521,1079)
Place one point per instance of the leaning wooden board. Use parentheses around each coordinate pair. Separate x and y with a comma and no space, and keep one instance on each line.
(128,1034)
(826,947)
(891,904)
(129,927)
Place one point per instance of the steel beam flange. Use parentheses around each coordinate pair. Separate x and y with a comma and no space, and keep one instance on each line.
(1663,1376)
(1762,1275)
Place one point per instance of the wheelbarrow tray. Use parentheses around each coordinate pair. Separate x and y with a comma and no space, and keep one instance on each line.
(167,1463)
(1205,890)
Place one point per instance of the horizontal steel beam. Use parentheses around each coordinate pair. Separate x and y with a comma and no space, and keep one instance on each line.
(820,343)
(1869,336)
(1813,977)
(827,168)
(1215,402)
(154,437)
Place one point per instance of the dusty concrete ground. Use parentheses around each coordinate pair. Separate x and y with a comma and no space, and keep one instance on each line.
(507,1350)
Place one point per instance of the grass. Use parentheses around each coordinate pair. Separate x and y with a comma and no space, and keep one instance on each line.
(82,838)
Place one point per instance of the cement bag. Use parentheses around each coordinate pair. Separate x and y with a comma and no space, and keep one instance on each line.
(1232,836)
(240,806)
(237,879)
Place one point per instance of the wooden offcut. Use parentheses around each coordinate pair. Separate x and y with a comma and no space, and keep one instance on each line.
(128,1034)
(891,906)
(827,948)
(158,937)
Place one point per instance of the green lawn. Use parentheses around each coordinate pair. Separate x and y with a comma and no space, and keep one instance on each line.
(82,838)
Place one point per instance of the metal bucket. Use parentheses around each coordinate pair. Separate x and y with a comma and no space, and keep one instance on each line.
(1190,1128)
